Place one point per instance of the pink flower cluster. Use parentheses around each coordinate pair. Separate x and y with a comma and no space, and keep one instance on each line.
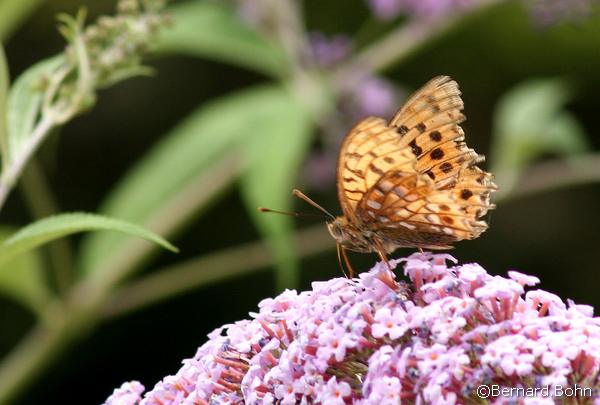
(374,340)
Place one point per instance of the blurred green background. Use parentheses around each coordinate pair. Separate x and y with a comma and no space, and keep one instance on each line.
(551,234)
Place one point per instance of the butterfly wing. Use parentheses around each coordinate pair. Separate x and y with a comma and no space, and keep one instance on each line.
(418,183)
(369,150)
(408,210)
(372,147)
(451,210)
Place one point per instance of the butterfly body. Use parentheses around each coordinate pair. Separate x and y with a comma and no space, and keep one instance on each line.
(412,181)
(351,237)
(362,239)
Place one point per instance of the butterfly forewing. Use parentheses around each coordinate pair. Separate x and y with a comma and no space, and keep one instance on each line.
(438,95)
(413,181)
(369,150)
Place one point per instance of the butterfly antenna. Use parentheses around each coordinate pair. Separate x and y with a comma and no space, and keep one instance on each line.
(291,214)
(303,196)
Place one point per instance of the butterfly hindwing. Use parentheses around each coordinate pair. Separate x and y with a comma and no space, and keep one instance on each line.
(408,210)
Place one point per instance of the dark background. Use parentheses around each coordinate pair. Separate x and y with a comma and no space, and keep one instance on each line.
(552,235)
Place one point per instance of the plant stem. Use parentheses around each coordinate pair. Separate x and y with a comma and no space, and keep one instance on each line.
(399,44)
(289,29)
(42,203)
(33,352)
(219,266)
(62,322)
(11,175)
(4,86)
(552,175)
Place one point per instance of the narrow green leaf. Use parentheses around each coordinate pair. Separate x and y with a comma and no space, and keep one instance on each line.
(58,226)
(208,29)
(531,121)
(4,82)
(24,104)
(205,137)
(275,151)
(23,279)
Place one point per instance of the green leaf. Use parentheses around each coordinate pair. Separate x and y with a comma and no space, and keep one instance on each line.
(209,134)
(58,226)
(531,121)
(22,278)
(275,151)
(24,104)
(210,30)
(4,82)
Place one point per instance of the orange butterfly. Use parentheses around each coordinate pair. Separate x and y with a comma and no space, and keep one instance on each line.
(411,182)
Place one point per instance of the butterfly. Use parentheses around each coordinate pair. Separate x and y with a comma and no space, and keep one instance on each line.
(411,182)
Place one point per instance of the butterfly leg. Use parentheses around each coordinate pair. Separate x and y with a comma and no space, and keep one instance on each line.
(348,265)
(338,248)
(384,259)
(382,255)
(388,276)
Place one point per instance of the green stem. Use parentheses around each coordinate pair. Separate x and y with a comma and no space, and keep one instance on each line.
(13,168)
(33,353)
(289,29)
(191,274)
(399,44)
(10,176)
(61,323)
(553,175)
(4,86)
(42,203)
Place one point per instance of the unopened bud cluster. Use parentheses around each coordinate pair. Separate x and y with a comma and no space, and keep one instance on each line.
(99,55)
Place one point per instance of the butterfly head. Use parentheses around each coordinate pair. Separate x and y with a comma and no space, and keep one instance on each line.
(349,236)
